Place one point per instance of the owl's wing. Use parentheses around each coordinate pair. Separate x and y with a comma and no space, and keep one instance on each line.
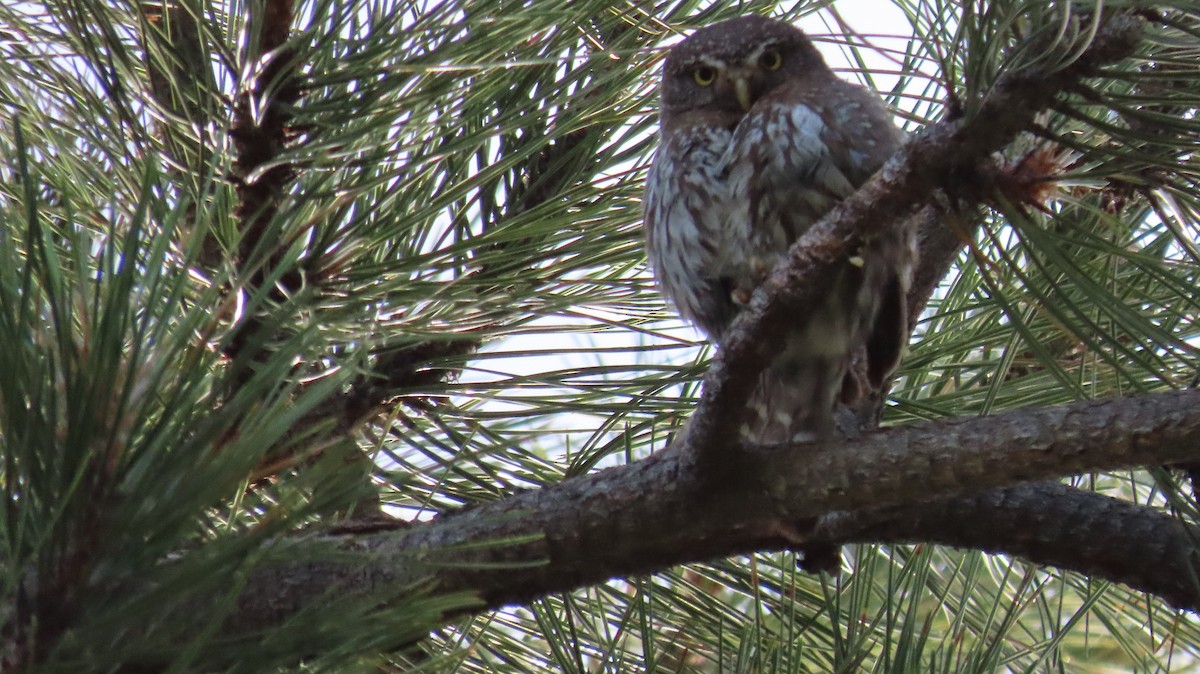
(860,137)
(799,152)
(796,155)
(686,212)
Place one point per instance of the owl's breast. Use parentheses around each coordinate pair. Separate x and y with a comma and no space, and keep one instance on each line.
(687,215)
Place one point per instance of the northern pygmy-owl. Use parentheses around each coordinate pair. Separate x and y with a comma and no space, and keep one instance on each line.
(758,140)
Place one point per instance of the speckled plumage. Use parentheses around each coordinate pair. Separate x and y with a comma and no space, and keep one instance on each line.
(758,140)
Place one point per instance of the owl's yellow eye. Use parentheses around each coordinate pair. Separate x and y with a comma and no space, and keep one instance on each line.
(704,75)
(770,59)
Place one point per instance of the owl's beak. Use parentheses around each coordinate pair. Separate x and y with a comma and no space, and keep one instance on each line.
(741,89)
(740,82)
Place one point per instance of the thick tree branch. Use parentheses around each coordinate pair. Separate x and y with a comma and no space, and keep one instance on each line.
(1047,523)
(664,510)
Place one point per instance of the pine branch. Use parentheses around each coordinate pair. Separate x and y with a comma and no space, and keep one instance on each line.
(1050,524)
(78,576)
(665,510)
(694,502)
(261,132)
(551,161)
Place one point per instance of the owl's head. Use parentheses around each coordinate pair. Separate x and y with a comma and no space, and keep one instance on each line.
(726,67)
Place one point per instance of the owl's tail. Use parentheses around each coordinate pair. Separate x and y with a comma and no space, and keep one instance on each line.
(864,319)
(794,400)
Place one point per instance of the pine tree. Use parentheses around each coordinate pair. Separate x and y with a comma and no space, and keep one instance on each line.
(328,345)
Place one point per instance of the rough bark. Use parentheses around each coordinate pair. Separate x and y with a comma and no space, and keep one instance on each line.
(1047,523)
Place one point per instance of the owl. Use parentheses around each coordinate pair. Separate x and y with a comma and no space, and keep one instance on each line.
(758,139)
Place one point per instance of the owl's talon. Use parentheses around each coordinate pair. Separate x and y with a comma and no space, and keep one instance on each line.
(806,438)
